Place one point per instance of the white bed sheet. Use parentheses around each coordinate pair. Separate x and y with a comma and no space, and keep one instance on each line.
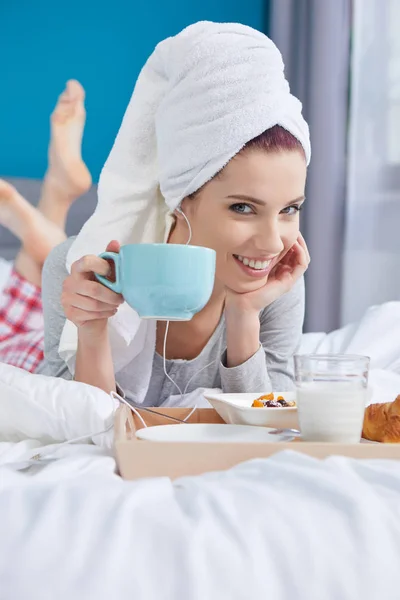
(285,527)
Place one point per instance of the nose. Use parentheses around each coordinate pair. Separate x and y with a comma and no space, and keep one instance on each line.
(268,238)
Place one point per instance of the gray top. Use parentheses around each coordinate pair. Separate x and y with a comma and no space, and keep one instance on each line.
(270,368)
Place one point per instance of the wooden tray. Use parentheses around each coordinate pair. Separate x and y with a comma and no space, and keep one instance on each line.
(139,458)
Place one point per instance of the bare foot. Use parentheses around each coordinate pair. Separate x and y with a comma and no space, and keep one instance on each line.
(38,235)
(66,170)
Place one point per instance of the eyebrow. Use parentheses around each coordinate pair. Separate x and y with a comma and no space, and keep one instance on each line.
(245,198)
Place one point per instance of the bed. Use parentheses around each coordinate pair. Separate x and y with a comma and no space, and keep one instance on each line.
(287,527)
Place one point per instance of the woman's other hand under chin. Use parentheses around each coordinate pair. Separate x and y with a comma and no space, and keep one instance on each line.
(280,280)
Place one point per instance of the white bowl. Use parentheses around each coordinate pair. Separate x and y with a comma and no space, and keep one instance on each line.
(236,409)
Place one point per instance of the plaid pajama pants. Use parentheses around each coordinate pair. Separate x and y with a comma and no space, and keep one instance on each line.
(21,324)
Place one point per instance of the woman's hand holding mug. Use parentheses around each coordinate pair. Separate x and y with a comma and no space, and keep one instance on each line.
(86,302)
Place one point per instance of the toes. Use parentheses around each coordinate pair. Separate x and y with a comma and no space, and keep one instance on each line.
(75,90)
(7,191)
(62,112)
(70,101)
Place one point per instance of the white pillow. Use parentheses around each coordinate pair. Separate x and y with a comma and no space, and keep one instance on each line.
(50,409)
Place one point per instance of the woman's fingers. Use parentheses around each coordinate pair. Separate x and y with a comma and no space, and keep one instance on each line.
(303,244)
(293,265)
(290,258)
(90,264)
(302,255)
(74,286)
(91,304)
(299,262)
(81,280)
(98,291)
(298,254)
(294,262)
(113,246)
(83,298)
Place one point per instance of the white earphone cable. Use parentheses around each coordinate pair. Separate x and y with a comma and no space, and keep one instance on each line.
(167,327)
(188,224)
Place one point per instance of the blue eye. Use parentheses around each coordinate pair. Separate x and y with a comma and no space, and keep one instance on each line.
(295,208)
(241,208)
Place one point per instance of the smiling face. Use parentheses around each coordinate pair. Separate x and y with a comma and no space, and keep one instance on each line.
(249,214)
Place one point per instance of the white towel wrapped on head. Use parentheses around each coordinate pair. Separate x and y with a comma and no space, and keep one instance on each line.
(201,96)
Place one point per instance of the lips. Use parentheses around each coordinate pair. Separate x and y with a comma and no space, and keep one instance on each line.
(260,269)
(258,265)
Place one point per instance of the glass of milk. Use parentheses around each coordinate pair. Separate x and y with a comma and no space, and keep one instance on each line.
(332,393)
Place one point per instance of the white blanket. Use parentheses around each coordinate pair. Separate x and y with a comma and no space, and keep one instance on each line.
(283,528)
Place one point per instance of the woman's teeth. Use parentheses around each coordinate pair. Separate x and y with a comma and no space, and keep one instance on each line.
(254,264)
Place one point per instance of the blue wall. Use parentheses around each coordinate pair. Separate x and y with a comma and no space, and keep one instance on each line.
(103,45)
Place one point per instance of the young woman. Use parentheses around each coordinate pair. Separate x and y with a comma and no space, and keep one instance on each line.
(245,337)
(40,230)
(251,327)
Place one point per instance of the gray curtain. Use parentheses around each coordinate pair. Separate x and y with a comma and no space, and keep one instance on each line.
(314,38)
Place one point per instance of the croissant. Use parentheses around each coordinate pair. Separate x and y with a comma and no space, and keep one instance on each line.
(382,422)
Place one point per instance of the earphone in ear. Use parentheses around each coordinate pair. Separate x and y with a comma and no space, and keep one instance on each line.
(179,210)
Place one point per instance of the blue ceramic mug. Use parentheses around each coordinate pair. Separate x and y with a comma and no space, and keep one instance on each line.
(163,281)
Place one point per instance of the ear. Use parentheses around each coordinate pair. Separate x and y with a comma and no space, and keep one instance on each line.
(185,208)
